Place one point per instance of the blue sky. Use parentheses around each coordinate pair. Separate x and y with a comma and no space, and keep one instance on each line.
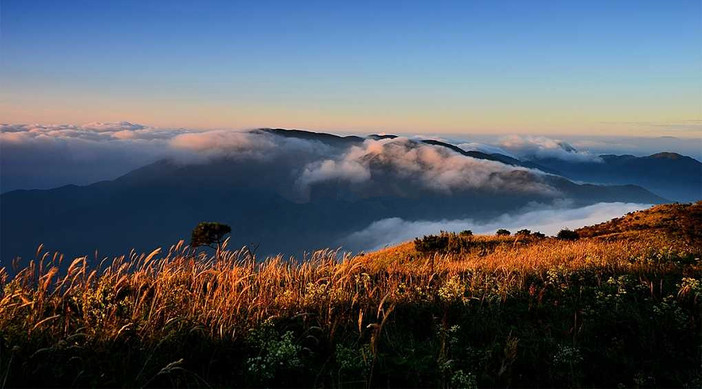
(551,67)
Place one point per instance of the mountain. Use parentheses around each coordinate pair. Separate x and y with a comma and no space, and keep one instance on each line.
(670,175)
(491,156)
(291,191)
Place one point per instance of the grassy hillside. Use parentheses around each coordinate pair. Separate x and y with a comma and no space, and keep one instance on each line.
(621,306)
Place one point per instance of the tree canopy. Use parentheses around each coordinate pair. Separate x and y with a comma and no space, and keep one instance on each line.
(209,234)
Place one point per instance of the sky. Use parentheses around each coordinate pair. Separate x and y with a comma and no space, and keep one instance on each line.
(467,67)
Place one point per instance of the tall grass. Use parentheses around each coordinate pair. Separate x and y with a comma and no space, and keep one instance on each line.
(142,299)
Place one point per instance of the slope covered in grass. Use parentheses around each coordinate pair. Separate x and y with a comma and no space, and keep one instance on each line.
(622,305)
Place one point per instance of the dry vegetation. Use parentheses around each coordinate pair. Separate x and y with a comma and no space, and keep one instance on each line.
(621,306)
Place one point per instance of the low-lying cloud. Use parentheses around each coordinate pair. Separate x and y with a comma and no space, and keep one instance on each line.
(44,156)
(47,156)
(484,148)
(432,168)
(539,147)
(546,219)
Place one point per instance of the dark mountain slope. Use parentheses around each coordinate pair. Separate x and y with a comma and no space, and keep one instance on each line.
(670,175)
(330,139)
(491,157)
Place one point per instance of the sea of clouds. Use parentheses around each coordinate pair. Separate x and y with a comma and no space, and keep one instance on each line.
(46,156)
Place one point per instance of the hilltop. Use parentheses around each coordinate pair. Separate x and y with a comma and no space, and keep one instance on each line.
(674,221)
(678,224)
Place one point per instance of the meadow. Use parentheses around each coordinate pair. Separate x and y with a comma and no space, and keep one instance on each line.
(619,307)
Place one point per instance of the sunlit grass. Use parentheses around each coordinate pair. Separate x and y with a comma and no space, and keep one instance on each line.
(147,298)
(228,296)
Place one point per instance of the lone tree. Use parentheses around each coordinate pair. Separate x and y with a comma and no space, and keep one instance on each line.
(209,234)
(503,232)
(566,234)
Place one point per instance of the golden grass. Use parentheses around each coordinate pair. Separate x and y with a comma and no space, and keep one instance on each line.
(145,295)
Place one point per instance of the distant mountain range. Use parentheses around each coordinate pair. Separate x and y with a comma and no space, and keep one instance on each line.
(671,175)
(305,191)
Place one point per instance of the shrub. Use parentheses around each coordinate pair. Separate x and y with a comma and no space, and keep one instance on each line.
(431,243)
(523,232)
(503,232)
(566,234)
(445,242)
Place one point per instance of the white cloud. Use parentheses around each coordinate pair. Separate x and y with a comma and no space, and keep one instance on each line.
(351,171)
(398,166)
(433,168)
(221,141)
(484,148)
(46,156)
(95,132)
(546,219)
(246,144)
(539,147)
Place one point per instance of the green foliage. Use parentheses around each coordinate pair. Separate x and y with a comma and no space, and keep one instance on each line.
(208,234)
(276,353)
(503,232)
(353,362)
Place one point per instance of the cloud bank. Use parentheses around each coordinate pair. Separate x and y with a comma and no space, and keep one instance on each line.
(46,156)
(530,147)
(546,219)
(484,148)
(43,156)
(425,167)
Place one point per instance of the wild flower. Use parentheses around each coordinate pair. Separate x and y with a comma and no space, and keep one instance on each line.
(453,290)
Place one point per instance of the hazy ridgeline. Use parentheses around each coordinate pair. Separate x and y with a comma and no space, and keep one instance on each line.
(622,305)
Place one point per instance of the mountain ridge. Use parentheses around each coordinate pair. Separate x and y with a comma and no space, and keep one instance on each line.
(302,207)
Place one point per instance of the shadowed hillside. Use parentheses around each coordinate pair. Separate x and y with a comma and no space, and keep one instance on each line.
(671,175)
